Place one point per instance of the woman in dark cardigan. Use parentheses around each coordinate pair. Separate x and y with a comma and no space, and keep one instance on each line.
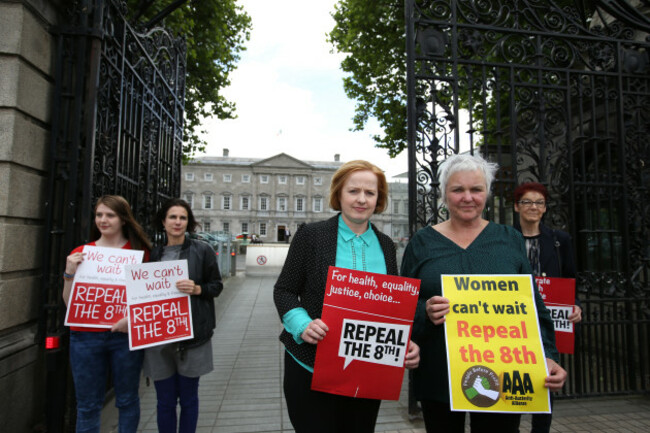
(177,367)
(549,252)
(358,190)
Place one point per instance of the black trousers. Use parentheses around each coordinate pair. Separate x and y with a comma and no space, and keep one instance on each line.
(541,422)
(320,412)
(439,418)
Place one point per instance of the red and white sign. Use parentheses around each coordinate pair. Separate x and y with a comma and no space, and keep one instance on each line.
(559,295)
(98,296)
(158,312)
(369,317)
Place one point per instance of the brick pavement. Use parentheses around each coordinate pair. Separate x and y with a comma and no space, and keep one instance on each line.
(244,392)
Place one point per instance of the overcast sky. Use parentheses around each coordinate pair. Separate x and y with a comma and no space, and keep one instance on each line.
(289,92)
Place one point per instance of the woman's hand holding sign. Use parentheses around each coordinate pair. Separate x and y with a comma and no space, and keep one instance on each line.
(121,325)
(437,308)
(188,286)
(314,332)
(557,376)
(412,359)
(71,264)
(576,316)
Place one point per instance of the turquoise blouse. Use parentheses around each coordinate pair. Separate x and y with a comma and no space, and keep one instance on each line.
(360,252)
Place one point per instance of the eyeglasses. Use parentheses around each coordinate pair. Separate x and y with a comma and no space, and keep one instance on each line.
(529,203)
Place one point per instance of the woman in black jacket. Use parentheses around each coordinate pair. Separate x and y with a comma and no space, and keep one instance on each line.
(549,252)
(176,367)
(358,190)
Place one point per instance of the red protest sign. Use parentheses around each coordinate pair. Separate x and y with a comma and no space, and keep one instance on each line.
(559,295)
(98,297)
(96,305)
(158,312)
(369,318)
(157,322)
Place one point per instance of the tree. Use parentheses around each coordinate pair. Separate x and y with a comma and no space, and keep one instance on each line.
(372,36)
(215,31)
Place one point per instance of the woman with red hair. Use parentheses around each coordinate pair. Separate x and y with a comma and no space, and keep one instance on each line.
(549,252)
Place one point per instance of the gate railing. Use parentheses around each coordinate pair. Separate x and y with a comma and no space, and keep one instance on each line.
(117,127)
(558,95)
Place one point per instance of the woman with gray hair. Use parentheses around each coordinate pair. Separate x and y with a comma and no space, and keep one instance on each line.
(464,244)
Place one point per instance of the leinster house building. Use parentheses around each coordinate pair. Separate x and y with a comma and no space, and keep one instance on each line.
(272,197)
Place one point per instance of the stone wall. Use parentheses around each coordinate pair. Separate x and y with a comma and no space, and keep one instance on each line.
(26,87)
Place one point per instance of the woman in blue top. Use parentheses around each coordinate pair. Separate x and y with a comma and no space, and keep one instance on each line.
(358,190)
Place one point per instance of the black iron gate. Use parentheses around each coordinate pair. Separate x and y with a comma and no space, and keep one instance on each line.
(556,92)
(116,129)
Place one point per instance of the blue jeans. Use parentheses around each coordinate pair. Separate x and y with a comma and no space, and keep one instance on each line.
(171,390)
(91,356)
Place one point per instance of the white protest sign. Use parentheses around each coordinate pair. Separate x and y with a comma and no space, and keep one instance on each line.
(98,295)
(158,312)
(375,342)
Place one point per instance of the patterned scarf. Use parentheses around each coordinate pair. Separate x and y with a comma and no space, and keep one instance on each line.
(532,246)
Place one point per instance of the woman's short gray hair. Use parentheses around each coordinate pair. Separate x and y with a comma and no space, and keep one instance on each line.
(465,162)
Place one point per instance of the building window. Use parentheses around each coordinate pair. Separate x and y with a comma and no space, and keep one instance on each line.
(189,177)
(207,177)
(282,180)
(395,206)
(206,226)
(264,178)
(225,202)
(227,178)
(264,203)
(226,227)
(262,229)
(318,181)
(245,203)
(189,198)
(244,227)
(245,178)
(207,202)
(318,205)
(282,204)
(300,180)
(300,204)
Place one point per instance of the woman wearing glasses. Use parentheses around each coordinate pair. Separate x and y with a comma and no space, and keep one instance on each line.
(549,252)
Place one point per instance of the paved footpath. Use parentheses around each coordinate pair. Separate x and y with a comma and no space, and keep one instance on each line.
(244,392)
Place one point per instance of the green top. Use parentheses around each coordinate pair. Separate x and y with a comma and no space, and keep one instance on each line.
(498,249)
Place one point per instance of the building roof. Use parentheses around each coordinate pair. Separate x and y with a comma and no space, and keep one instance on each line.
(279,160)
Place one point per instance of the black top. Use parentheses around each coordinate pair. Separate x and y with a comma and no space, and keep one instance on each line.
(555,253)
(304,276)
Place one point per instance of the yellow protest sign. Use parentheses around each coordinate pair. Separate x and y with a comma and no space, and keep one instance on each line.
(495,355)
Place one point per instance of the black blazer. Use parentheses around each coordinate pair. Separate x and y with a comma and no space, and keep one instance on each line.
(556,253)
(304,275)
